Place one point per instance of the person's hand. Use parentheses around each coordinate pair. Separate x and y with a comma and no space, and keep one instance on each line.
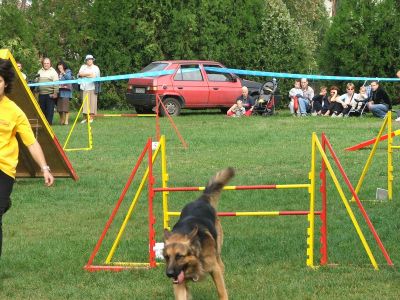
(48,178)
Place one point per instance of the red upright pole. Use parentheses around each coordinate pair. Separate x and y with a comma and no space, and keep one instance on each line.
(323,216)
(117,205)
(360,206)
(152,220)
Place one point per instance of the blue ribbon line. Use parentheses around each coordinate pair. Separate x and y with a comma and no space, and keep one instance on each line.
(289,75)
(213,69)
(105,78)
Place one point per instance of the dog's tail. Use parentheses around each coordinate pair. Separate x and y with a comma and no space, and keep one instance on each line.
(215,185)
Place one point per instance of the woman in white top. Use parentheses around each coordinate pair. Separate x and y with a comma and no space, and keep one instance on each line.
(348,99)
(89,70)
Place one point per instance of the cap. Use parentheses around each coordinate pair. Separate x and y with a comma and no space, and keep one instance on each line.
(89,56)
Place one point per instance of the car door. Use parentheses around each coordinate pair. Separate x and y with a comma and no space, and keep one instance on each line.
(224,87)
(189,82)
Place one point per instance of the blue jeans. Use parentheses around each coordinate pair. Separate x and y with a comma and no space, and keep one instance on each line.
(379,110)
(304,105)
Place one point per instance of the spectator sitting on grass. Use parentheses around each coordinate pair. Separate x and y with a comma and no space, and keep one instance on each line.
(379,103)
(294,95)
(320,102)
(347,100)
(335,107)
(305,100)
(238,110)
(247,100)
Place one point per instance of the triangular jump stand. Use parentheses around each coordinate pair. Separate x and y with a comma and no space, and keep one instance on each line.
(89,129)
(22,95)
(387,123)
(317,147)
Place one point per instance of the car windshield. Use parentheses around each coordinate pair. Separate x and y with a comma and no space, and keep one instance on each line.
(154,66)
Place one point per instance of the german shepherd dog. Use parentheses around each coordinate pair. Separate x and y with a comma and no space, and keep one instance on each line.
(193,247)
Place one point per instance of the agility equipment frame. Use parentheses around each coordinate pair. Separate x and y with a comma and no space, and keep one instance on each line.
(89,128)
(387,123)
(165,190)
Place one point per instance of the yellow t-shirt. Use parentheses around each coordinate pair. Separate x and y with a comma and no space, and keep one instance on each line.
(12,121)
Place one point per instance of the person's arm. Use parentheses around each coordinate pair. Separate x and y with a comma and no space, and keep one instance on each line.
(37,154)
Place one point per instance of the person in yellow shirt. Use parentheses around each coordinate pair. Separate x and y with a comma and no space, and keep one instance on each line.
(12,121)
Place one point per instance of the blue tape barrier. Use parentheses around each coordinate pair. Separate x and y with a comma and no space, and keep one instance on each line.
(288,75)
(218,70)
(105,78)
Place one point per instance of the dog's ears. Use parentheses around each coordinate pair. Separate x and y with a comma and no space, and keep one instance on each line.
(167,234)
(193,233)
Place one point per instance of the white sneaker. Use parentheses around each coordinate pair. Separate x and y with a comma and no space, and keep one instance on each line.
(83,121)
(333,115)
(398,119)
(91,121)
(340,115)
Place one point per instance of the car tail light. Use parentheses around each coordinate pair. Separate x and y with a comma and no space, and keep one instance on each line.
(152,88)
(130,87)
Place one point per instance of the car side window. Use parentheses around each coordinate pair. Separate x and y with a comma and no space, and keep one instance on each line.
(217,76)
(188,73)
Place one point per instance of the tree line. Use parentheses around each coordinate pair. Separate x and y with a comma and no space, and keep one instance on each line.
(270,35)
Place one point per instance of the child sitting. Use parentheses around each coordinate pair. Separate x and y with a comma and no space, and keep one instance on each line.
(238,110)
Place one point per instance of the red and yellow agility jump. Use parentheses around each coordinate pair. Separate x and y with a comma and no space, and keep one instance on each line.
(387,123)
(165,190)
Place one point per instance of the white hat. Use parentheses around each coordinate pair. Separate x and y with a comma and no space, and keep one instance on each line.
(89,56)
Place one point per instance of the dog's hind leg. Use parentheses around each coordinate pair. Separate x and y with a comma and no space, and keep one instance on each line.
(218,277)
(181,292)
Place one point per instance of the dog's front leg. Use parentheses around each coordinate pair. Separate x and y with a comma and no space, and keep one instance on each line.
(218,277)
(181,292)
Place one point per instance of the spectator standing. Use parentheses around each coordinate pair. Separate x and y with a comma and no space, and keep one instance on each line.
(305,100)
(13,120)
(295,93)
(19,65)
(319,102)
(47,93)
(379,102)
(89,70)
(65,92)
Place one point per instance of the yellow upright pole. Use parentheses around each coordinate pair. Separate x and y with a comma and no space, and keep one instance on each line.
(130,210)
(311,217)
(164,178)
(369,160)
(390,155)
(90,140)
(347,205)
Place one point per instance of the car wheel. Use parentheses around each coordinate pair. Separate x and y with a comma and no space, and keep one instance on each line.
(172,106)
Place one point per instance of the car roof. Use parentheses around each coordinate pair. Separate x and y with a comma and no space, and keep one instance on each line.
(187,61)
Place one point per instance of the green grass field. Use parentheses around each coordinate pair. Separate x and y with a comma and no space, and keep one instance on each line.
(50,232)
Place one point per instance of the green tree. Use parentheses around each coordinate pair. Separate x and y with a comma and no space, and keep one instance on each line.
(16,34)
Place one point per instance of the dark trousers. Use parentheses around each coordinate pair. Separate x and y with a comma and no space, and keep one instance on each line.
(6,186)
(335,107)
(47,105)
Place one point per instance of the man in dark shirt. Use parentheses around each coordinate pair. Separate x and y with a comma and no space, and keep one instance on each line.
(248,101)
(379,103)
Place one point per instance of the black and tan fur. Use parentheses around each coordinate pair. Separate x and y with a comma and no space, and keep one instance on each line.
(193,247)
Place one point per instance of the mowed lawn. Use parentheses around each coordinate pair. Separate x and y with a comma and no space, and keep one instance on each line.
(50,232)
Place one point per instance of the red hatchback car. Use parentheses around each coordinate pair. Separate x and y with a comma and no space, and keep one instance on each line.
(190,85)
